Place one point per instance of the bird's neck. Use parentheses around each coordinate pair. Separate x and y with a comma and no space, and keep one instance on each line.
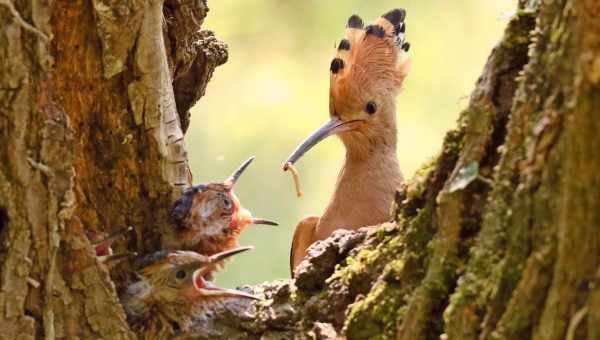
(374,174)
(134,301)
(366,184)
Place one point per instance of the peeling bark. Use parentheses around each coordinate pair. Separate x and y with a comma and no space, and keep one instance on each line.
(80,154)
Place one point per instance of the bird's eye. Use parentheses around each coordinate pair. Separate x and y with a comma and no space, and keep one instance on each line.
(226,202)
(180,274)
(371,107)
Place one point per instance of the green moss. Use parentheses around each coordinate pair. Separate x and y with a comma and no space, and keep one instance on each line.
(419,231)
(466,293)
(300,297)
(390,243)
(375,317)
(353,266)
(519,28)
(399,257)
(427,166)
(416,186)
(453,141)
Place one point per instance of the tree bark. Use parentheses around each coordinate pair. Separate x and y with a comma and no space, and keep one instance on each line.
(496,238)
(91,137)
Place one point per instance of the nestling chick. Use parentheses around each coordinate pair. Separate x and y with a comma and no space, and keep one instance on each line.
(102,244)
(366,75)
(208,218)
(172,289)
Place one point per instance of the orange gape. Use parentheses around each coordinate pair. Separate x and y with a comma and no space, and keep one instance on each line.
(366,75)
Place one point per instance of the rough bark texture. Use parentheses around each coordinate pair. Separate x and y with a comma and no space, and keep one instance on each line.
(91,140)
(496,238)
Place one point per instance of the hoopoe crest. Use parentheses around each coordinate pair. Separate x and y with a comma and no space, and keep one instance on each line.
(371,63)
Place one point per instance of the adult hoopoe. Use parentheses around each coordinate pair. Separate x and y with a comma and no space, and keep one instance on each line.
(172,289)
(208,218)
(366,75)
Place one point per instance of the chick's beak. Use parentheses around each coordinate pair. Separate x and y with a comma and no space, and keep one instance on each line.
(102,246)
(206,288)
(113,259)
(211,290)
(238,172)
(264,221)
(202,268)
(247,218)
(218,257)
(334,126)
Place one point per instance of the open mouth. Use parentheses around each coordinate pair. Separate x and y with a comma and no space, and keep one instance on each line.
(207,288)
(199,281)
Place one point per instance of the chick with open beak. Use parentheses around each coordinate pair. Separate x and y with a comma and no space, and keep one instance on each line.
(172,289)
(208,218)
(102,243)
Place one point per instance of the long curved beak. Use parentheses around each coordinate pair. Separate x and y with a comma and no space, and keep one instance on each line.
(332,127)
(237,173)
(264,221)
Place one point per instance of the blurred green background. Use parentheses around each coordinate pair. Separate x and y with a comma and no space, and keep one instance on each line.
(274,91)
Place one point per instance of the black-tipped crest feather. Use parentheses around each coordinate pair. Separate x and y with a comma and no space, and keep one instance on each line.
(355,22)
(344,45)
(375,30)
(395,16)
(336,65)
(400,28)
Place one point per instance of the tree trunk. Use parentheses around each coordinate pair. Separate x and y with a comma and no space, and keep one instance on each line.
(497,238)
(91,136)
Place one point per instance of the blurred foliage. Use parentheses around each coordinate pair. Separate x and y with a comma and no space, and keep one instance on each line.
(274,91)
